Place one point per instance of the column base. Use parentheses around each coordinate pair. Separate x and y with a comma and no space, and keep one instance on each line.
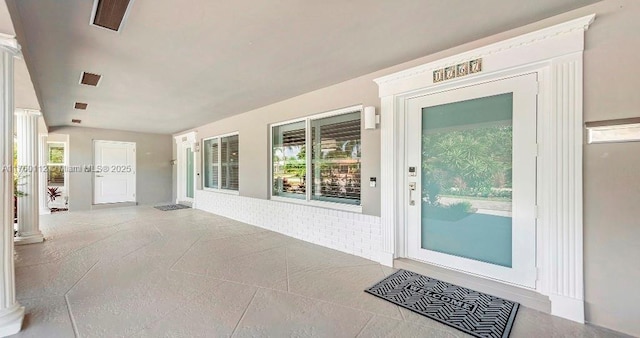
(28,238)
(568,308)
(11,320)
(386,258)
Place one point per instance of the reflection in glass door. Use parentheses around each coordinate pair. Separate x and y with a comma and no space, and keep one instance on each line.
(473,204)
(467,179)
(189,173)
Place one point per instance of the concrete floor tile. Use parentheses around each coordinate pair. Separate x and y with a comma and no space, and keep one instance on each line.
(308,257)
(119,298)
(279,314)
(266,269)
(214,313)
(120,244)
(381,326)
(51,279)
(58,246)
(211,256)
(343,286)
(46,317)
(532,323)
(143,272)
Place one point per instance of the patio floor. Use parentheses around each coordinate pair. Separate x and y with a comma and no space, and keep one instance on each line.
(141,272)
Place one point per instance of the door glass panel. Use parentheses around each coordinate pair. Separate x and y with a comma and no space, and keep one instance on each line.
(189,173)
(466,179)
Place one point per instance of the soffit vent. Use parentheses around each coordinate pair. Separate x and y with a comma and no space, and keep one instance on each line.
(90,79)
(76,121)
(110,14)
(80,105)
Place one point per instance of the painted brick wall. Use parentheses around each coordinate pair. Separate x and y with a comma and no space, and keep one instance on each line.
(348,232)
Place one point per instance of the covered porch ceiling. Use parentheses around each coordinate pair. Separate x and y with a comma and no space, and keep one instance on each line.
(176,65)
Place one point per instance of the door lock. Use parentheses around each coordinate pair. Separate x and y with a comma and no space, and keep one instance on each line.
(412,188)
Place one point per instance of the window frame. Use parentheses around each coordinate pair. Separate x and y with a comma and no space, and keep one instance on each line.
(62,165)
(357,208)
(202,158)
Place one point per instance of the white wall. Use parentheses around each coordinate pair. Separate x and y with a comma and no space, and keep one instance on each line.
(611,175)
(153,155)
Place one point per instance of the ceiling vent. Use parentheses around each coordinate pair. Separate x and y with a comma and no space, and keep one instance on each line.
(110,14)
(90,79)
(80,105)
(76,121)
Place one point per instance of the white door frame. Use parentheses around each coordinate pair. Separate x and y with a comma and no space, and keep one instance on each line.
(523,270)
(555,53)
(184,141)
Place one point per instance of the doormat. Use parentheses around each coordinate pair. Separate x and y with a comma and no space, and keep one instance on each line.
(171,207)
(473,312)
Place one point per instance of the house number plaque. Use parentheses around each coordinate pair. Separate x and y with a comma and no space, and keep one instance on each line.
(459,70)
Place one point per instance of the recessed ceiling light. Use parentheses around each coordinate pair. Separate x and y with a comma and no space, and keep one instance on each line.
(80,105)
(110,14)
(76,121)
(90,79)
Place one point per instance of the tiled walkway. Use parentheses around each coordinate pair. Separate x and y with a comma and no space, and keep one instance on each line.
(142,272)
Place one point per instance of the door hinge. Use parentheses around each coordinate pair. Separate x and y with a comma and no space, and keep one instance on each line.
(536,211)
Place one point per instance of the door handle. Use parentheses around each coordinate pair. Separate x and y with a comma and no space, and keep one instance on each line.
(412,188)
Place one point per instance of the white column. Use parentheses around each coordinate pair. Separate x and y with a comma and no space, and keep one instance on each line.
(28,205)
(42,176)
(11,313)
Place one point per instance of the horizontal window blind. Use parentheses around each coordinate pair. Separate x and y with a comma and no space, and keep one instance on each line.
(335,160)
(211,163)
(229,161)
(288,160)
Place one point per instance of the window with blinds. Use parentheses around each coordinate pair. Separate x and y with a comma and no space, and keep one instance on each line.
(229,162)
(221,162)
(210,162)
(288,158)
(335,160)
(332,171)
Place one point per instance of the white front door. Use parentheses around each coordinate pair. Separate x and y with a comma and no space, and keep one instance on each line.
(471,166)
(114,172)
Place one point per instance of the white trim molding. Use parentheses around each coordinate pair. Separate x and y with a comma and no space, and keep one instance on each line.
(555,55)
(10,44)
(184,141)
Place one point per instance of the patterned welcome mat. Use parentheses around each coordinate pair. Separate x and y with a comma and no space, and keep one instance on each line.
(472,312)
(171,207)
